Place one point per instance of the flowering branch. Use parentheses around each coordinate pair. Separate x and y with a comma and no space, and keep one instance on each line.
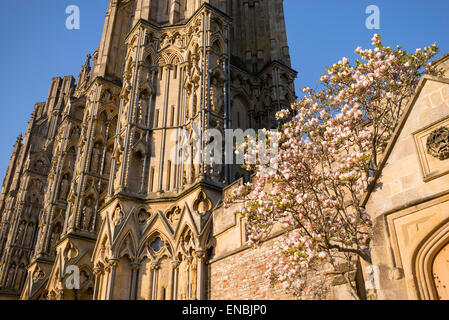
(328,153)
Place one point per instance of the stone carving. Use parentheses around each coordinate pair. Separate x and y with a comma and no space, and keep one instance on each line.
(107,163)
(70,252)
(54,237)
(143,216)
(216,97)
(20,232)
(202,204)
(64,188)
(84,277)
(96,154)
(174,215)
(438,143)
(87,215)
(38,274)
(118,216)
(124,116)
(29,235)
(39,166)
(107,96)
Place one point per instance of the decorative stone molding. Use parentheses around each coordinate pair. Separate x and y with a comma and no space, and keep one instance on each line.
(201,255)
(438,143)
(98,271)
(432,146)
(155,265)
(38,275)
(112,264)
(175,264)
(135,266)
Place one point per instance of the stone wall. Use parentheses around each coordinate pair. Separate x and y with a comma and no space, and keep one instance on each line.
(410,202)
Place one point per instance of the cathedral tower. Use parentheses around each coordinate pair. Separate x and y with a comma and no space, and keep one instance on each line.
(122,203)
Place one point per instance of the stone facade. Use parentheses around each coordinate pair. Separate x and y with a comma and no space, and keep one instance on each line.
(93,184)
(409,203)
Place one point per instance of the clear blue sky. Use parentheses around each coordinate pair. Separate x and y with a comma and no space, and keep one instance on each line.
(36,45)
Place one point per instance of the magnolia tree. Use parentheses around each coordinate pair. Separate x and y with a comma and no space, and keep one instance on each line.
(327,156)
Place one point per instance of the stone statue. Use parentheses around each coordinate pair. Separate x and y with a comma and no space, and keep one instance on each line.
(118,216)
(216,97)
(107,164)
(87,215)
(165,41)
(282,93)
(174,215)
(29,235)
(35,207)
(54,239)
(20,233)
(95,158)
(124,116)
(39,185)
(178,41)
(71,159)
(106,96)
(143,216)
(38,274)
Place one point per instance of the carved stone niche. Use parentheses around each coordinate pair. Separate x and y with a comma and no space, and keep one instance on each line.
(202,204)
(143,216)
(438,143)
(38,275)
(174,215)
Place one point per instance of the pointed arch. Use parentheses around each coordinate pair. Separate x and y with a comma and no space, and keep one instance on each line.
(149,56)
(126,245)
(185,239)
(423,259)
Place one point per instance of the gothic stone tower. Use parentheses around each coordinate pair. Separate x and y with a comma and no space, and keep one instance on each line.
(121,203)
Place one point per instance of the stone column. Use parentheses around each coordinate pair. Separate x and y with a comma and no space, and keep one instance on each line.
(201,258)
(153,282)
(167,72)
(189,279)
(98,272)
(173,284)
(135,267)
(112,265)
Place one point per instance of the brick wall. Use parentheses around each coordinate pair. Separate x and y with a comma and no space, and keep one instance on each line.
(240,276)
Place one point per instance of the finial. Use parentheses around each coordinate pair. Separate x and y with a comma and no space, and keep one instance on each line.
(87,63)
